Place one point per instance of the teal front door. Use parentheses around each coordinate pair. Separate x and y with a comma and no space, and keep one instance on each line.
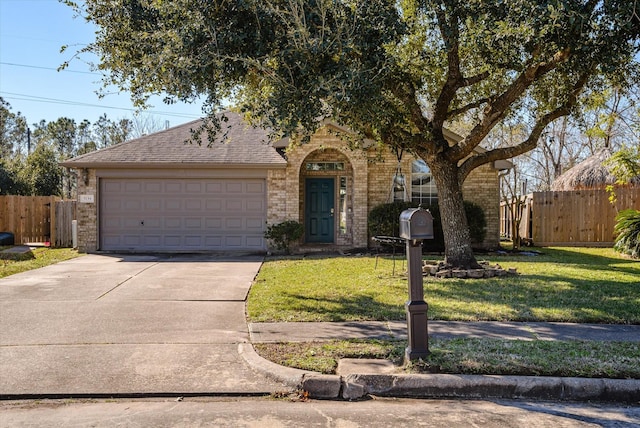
(319,209)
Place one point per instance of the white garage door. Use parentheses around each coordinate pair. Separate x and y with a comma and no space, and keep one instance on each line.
(182,214)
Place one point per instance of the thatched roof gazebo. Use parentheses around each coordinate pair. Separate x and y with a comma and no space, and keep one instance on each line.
(592,173)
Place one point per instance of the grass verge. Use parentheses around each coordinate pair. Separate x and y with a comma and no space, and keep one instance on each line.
(583,285)
(11,263)
(472,356)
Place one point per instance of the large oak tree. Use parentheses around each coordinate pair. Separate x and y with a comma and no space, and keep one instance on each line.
(395,71)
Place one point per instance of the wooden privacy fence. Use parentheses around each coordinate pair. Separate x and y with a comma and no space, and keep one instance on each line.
(62,218)
(573,218)
(37,219)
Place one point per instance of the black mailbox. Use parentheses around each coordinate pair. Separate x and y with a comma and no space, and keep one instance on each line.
(416,223)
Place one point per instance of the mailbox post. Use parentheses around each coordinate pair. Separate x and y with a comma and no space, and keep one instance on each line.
(416,224)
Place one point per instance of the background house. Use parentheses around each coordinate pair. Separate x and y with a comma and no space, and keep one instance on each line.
(158,193)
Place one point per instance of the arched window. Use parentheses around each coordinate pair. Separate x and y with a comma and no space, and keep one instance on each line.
(423,188)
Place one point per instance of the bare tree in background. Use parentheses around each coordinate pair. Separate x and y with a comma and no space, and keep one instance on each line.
(145,124)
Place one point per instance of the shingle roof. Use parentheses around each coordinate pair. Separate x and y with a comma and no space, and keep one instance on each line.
(242,145)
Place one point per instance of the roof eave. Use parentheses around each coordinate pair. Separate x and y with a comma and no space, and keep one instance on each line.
(172,165)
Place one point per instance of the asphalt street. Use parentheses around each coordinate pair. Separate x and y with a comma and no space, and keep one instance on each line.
(283,412)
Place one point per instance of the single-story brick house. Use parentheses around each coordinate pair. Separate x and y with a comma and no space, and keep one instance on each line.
(158,193)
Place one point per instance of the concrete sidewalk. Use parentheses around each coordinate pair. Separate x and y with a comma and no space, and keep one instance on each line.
(321,331)
(358,378)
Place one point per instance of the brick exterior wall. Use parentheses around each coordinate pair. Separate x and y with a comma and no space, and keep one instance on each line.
(481,187)
(368,185)
(325,146)
(87,213)
(277,196)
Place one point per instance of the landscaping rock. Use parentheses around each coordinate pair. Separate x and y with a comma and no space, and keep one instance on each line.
(459,273)
(442,270)
(475,273)
(443,274)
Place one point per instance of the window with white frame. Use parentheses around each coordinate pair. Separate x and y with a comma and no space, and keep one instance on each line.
(423,188)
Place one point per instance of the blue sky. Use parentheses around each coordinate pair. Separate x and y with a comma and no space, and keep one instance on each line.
(31,35)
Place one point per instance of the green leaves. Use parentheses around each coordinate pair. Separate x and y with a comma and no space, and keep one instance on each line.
(627,229)
(394,72)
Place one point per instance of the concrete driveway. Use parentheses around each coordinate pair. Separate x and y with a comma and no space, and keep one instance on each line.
(107,324)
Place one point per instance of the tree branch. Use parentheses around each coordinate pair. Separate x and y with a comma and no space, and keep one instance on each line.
(497,107)
(530,143)
(450,35)
(466,108)
(406,93)
(470,81)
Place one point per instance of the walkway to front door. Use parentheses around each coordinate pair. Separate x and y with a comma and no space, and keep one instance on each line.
(319,209)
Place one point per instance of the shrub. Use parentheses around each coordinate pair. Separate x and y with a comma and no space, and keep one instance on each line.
(283,234)
(477,222)
(627,229)
(384,220)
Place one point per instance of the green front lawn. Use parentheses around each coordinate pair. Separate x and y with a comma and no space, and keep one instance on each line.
(564,284)
(11,263)
(588,285)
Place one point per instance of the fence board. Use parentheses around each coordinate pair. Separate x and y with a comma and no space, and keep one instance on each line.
(580,218)
(27,217)
(64,213)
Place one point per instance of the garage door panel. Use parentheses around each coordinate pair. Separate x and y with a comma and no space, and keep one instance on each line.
(153,204)
(128,223)
(255,241)
(172,205)
(133,187)
(255,224)
(234,187)
(152,241)
(255,207)
(233,205)
(213,241)
(193,204)
(173,223)
(193,187)
(182,214)
(153,187)
(193,241)
(172,241)
(131,205)
(193,223)
(173,187)
(255,188)
(213,223)
(234,241)
(233,223)
(214,187)
(213,205)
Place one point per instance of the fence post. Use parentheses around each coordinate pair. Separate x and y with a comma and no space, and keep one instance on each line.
(53,224)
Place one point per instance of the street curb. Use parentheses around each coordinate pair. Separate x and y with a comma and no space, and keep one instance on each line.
(291,378)
(315,384)
(493,386)
(356,386)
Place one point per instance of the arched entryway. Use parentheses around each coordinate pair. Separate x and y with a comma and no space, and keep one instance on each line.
(326,197)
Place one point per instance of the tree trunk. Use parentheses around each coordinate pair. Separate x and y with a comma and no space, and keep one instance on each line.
(457,238)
